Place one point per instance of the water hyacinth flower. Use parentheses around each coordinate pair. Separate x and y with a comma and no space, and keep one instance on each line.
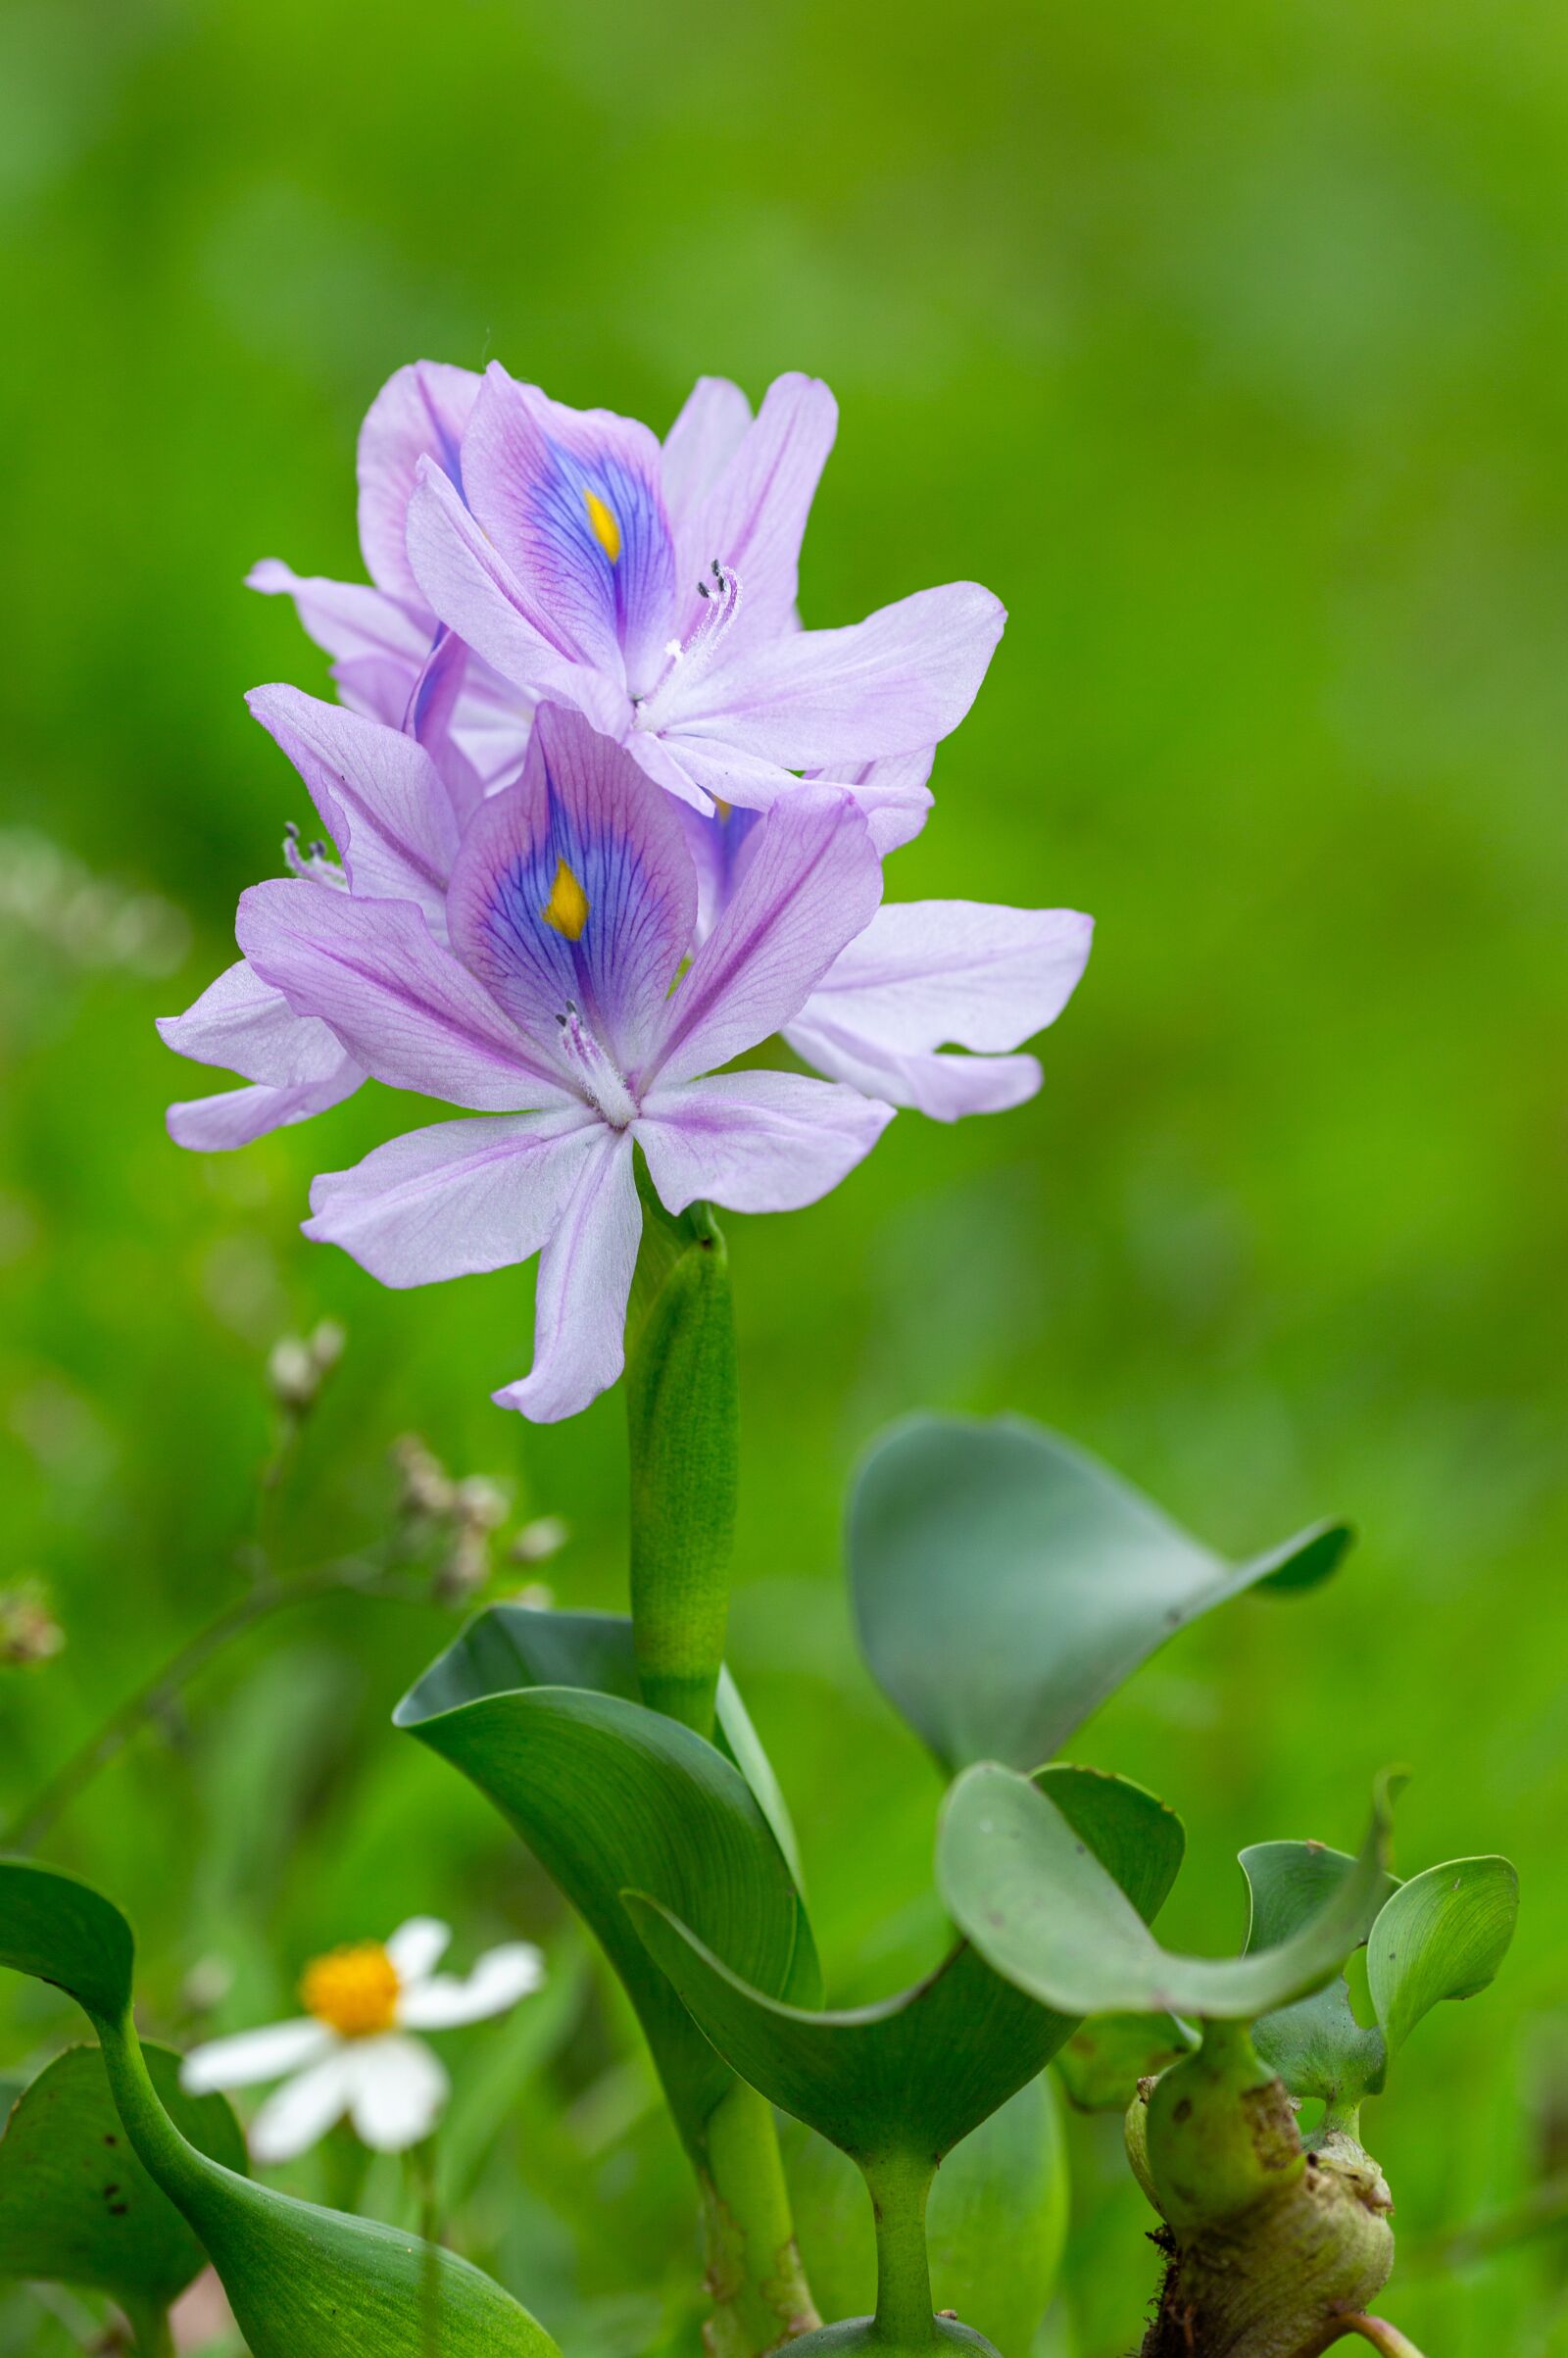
(540,990)
(351,2052)
(653,590)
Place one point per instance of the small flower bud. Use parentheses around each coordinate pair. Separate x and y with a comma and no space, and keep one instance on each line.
(539,1540)
(207,1984)
(426,1491)
(326,1345)
(480,1501)
(537,1594)
(292,1373)
(29,1634)
(467,1566)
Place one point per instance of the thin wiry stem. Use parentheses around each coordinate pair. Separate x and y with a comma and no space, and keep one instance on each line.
(1382,2336)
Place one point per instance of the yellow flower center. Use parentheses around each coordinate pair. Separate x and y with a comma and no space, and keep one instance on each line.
(602,523)
(566,910)
(354,1990)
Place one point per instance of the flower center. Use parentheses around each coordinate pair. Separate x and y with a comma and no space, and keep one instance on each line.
(596,1075)
(354,1990)
(686,659)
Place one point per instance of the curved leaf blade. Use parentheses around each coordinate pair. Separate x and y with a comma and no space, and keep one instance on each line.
(1006,1583)
(60,1930)
(919,2070)
(1441,1935)
(1317,2046)
(1028,1891)
(78,2207)
(611,1797)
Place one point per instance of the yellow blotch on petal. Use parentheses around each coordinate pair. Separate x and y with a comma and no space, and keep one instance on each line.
(353,1991)
(566,909)
(606,529)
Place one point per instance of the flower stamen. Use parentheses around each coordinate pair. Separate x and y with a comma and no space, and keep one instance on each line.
(354,1990)
(688,659)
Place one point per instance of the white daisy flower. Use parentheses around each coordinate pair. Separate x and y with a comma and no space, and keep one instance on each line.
(350,2052)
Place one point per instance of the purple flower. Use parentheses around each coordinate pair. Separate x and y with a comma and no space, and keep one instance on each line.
(525,971)
(922,977)
(393,660)
(653,590)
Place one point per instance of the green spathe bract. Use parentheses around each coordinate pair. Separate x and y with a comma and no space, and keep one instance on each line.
(303,2283)
(78,2207)
(1006,1583)
(1040,1908)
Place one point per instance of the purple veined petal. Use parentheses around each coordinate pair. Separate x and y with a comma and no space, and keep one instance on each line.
(700,445)
(378,792)
(893,792)
(419,413)
(398,1001)
(718,844)
(702,771)
(378,686)
(939,1084)
(476,594)
(348,618)
(455,1199)
(811,882)
(893,684)
(575,890)
(430,717)
(237,1117)
(585,1274)
(753,519)
(755,1141)
(244,1025)
(925,974)
(571,500)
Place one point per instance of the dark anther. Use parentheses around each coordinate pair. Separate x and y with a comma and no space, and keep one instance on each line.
(703,590)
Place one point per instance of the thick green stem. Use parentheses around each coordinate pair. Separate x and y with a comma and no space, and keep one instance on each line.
(158,2145)
(899,2187)
(682,1418)
(755,2278)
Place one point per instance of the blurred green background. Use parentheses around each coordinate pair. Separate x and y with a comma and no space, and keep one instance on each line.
(1228,346)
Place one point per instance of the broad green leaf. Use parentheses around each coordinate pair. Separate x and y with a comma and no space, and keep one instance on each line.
(1106,2056)
(1317,2046)
(1006,1583)
(77,2207)
(921,2070)
(303,2283)
(1019,1881)
(1004,2190)
(61,1931)
(512,1645)
(610,1797)
(1441,1935)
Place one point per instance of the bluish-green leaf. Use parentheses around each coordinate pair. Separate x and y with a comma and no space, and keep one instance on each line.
(1028,1891)
(61,1931)
(921,2070)
(77,2207)
(1102,2062)
(1441,1935)
(1006,1583)
(1317,2046)
(611,1796)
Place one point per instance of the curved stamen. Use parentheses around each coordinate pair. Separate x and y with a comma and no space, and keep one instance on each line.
(599,1079)
(686,659)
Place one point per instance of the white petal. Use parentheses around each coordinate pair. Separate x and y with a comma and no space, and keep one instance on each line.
(417,1948)
(397,2093)
(302,2111)
(501,1976)
(252,2055)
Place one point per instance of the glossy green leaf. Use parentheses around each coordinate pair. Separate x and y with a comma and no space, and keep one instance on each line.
(61,1931)
(1004,2190)
(921,2070)
(1029,1893)
(77,2207)
(1106,2056)
(1441,1935)
(1317,2046)
(611,1797)
(1006,1583)
(303,2283)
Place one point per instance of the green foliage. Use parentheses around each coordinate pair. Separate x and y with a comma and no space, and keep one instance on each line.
(1106,2056)
(919,2072)
(61,1931)
(611,1797)
(1040,1908)
(77,2206)
(1441,1935)
(683,1426)
(1006,1583)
